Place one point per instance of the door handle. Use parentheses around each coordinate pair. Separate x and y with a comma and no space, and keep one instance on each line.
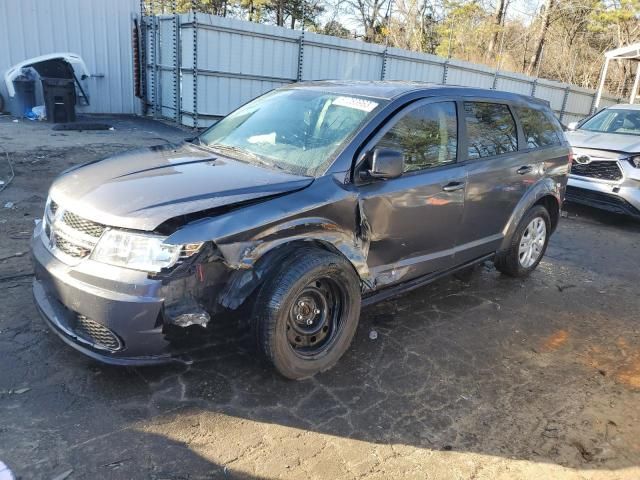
(524,169)
(453,186)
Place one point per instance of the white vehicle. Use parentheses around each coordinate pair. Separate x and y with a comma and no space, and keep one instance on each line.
(606,160)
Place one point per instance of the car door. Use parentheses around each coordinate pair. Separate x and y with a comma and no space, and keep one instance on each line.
(414,219)
(498,175)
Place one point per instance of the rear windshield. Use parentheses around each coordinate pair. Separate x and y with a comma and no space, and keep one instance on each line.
(298,130)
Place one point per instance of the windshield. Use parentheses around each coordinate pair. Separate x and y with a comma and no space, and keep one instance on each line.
(298,130)
(626,122)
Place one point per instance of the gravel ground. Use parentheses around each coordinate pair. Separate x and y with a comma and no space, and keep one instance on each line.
(485,378)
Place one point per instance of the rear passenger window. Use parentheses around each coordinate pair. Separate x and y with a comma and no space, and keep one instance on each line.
(537,127)
(427,136)
(491,129)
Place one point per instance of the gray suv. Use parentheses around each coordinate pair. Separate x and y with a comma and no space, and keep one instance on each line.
(606,160)
(291,213)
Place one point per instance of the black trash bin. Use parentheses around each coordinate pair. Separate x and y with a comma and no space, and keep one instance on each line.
(59,99)
(24,99)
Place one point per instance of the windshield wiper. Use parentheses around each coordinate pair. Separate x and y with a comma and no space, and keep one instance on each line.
(233,150)
(243,153)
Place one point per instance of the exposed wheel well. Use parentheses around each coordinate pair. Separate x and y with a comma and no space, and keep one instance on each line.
(243,284)
(551,204)
(287,248)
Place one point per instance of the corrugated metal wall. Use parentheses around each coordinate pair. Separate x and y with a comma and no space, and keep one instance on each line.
(97,30)
(237,61)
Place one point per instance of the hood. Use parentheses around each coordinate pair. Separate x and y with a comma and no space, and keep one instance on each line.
(615,142)
(143,188)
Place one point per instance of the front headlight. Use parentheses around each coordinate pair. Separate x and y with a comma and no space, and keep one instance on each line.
(635,160)
(138,251)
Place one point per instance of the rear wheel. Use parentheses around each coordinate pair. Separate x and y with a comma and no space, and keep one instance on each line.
(306,313)
(528,244)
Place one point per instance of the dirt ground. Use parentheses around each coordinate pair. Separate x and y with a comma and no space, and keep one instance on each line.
(490,378)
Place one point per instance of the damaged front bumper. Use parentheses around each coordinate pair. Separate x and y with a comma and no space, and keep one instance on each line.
(117,315)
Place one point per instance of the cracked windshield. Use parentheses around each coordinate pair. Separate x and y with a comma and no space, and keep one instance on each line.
(298,131)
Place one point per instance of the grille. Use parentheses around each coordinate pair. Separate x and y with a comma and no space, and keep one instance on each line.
(71,249)
(96,333)
(83,225)
(602,170)
(70,234)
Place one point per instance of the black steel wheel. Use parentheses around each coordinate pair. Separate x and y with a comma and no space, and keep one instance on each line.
(314,318)
(306,312)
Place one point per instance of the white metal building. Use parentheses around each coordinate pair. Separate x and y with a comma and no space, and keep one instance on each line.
(97,30)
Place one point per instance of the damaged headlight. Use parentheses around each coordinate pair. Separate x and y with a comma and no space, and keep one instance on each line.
(139,251)
(635,160)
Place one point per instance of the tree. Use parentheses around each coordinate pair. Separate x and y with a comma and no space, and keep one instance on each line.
(335,29)
(413,26)
(498,23)
(545,20)
(464,31)
(292,11)
(370,13)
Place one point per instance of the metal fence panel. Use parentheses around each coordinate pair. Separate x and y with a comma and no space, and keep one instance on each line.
(512,82)
(469,75)
(326,57)
(579,102)
(553,92)
(150,45)
(237,61)
(167,88)
(405,65)
(232,47)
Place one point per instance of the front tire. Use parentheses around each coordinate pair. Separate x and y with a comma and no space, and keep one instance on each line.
(528,244)
(306,313)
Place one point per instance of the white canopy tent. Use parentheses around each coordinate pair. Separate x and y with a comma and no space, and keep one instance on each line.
(630,52)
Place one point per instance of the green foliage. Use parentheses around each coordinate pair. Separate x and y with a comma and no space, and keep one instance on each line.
(335,29)
(464,29)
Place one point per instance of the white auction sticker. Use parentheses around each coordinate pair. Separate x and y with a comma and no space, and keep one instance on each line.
(356,103)
(5,473)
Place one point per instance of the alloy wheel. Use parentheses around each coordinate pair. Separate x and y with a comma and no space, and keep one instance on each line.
(532,242)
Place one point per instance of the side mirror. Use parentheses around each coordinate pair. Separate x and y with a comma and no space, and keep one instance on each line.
(386,163)
(572,126)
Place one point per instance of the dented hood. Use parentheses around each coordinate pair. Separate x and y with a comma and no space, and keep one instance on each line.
(143,188)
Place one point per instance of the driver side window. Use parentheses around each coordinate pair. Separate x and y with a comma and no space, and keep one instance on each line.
(427,136)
